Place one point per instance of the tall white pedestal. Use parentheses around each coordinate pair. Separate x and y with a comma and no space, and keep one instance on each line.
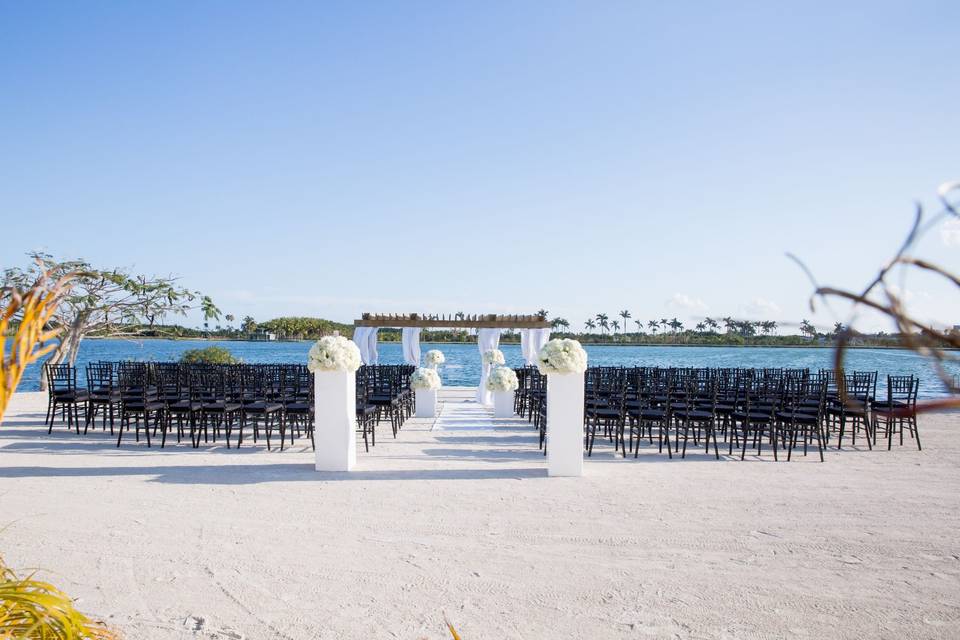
(335,426)
(565,424)
(503,404)
(426,403)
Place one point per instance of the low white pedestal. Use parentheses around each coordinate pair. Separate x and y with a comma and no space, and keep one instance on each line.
(503,404)
(426,402)
(565,425)
(335,425)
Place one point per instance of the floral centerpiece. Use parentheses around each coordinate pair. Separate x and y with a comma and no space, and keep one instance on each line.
(425,380)
(333,353)
(562,356)
(493,357)
(434,358)
(503,379)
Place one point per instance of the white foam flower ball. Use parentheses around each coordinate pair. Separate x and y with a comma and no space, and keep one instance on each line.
(333,353)
(425,380)
(562,356)
(434,357)
(503,379)
(493,356)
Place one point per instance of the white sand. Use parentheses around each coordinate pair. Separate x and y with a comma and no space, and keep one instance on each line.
(462,519)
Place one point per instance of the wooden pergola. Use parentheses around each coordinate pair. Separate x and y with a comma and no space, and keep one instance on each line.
(454,321)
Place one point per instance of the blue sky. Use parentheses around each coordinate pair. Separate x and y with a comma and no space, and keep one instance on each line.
(330,158)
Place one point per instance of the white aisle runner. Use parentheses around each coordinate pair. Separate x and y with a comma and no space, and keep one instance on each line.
(464,437)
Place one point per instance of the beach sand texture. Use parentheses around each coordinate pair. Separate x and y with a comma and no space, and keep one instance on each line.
(457,517)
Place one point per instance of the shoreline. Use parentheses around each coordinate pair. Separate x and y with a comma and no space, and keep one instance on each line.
(585,344)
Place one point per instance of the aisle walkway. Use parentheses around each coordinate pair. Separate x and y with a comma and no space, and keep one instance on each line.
(464,440)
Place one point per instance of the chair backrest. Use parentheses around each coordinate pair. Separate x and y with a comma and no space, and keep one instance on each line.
(61,378)
(903,389)
(101,377)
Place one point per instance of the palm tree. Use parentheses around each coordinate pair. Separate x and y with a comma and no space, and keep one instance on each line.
(639,324)
(210,311)
(616,325)
(626,316)
(602,321)
(713,324)
(654,325)
(701,327)
(590,325)
(664,323)
(729,324)
(771,326)
(248,325)
(676,325)
(542,313)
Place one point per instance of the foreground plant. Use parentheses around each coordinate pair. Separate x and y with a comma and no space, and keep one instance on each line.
(31,609)
(24,323)
(885,297)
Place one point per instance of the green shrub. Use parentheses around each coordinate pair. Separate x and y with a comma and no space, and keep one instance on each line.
(208,355)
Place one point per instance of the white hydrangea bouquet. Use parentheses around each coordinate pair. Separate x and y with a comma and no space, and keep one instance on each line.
(425,380)
(434,358)
(333,353)
(503,379)
(562,356)
(493,356)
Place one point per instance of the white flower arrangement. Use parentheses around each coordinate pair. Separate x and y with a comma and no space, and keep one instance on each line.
(434,357)
(334,353)
(562,356)
(503,379)
(493,356)
(425,380)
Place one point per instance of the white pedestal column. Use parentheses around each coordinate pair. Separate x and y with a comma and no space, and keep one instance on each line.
(503,404)
(565,424)
(335,426)
(426,403)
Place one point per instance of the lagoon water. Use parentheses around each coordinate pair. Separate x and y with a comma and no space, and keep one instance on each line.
(463,360)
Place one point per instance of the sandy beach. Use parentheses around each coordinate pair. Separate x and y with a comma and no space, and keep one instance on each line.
(457,517)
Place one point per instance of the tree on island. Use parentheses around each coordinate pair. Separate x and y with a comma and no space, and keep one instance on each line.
(807,329)
(590,325)
(626,316)
(210,311)
(654,325)
(105,302)
(248,325)
(603,322)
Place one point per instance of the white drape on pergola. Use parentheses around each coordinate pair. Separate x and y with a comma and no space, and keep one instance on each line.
(366,340)
(411,345)
(531,342)
(487,339)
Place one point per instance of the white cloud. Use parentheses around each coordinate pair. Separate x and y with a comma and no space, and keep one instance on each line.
(763,308)
(950,233)
(684,302)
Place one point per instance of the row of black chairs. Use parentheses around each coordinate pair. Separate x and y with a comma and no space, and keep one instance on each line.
(784,408)
(210,401)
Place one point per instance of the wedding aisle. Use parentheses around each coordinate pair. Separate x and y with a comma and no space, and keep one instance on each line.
(464,440)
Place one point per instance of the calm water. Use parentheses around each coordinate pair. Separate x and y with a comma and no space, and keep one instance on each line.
(463,360)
